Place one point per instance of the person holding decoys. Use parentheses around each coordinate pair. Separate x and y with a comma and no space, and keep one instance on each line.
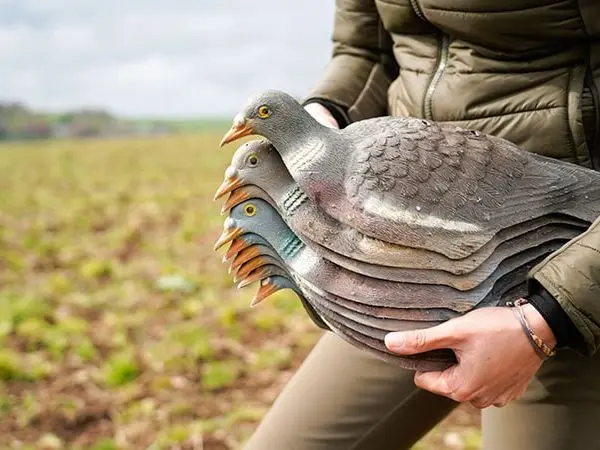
(481,75)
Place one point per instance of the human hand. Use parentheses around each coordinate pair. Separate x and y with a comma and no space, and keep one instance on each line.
(321,115)
(496,361)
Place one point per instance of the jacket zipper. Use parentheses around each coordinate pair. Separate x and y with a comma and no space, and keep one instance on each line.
(417,8)
(442,60)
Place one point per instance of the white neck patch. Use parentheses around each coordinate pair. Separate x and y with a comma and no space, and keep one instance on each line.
(304,261)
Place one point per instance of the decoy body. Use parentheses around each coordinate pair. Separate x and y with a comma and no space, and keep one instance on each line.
(257,216)
(417,183)
(392,223)
(344,303)
(257,171)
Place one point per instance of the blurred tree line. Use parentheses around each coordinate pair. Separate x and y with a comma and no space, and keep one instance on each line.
(17,122)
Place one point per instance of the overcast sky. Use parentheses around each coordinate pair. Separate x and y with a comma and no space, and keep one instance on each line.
(159,57)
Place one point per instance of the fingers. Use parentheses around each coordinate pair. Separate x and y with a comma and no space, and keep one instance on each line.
(434,382)
(443,383)
(451,383)
(521,391)
(483,375)
(419,341)
(502,400)
(481,403)
(507,398)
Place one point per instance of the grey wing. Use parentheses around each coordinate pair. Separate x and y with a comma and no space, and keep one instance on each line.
(412,169)
(450,190)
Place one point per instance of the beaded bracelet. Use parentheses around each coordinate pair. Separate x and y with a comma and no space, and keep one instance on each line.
(543,350)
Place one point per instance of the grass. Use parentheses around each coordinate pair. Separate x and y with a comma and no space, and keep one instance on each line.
(119,326)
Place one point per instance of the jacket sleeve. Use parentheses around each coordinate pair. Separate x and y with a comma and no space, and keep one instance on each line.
(356,81)
(572,276)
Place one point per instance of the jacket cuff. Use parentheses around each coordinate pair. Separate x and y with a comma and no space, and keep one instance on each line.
(562,326)
(572,276)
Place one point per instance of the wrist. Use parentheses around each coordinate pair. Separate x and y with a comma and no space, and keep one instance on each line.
(539,325)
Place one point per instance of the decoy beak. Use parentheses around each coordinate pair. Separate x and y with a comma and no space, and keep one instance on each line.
(237,245)
(239,129)
(266,288)
(235,198)
(239,273)
(249,267)
(228,236)
(244,256)
(228,185)
(236,277)
(254,276)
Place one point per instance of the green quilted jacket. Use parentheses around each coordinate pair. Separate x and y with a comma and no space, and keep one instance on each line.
(524,70)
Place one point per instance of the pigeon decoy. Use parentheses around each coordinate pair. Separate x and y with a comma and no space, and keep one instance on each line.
(417,183)
(240,243)
(257,216)
(257,171)
(243,262)
(362,331)
(243,271)
(263,266)
(366,326)
(506,249)
(251,260)
(251,252)
(260,273)
(356,333)
(274,283)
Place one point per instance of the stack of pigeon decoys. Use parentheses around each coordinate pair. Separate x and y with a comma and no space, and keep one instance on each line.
(392,223)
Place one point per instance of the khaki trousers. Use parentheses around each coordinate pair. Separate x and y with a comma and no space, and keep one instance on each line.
(344,399)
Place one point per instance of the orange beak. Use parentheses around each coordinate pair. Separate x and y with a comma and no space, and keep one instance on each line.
(239,129)
(228,236)
(235,198)
(256,275)
(244,256)
(228,185)
(236,246)
(249,267)
(266,288)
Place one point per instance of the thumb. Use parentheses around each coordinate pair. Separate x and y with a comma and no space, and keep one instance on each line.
(419,341)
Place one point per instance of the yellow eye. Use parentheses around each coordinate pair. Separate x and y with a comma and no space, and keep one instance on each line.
(250,210)
(264,111)
(253,160)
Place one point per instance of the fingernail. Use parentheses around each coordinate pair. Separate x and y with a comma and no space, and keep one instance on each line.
(393,341)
